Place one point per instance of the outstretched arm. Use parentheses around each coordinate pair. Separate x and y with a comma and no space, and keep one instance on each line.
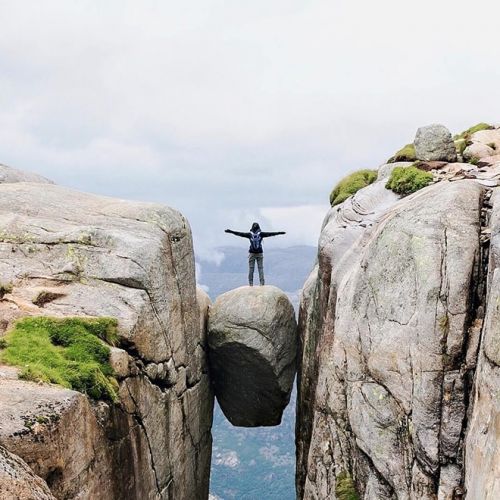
(238,233)
(266,235)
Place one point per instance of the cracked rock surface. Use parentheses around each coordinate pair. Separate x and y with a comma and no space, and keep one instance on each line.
(17,480)
(482,464)
(98,256)
(252,341)
(389,327)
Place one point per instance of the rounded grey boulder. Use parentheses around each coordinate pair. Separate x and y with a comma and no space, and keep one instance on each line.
(434,142)
(252,336)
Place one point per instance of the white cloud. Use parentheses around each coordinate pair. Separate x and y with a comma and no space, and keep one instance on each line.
(302,223)
(223,108)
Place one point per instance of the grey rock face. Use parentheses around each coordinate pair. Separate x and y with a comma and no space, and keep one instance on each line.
(482,453)
(384,172)
(9,174)
(17,480)
(252,341)
(99,256)
(477,151)
(434,142)
(386,319)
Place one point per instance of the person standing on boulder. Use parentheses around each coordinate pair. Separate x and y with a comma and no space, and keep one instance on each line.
(255,252)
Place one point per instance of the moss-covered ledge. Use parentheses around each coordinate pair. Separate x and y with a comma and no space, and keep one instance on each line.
(407,180)
(351,184)
(72,352)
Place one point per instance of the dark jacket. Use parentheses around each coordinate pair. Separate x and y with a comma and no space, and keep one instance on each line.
(262,235)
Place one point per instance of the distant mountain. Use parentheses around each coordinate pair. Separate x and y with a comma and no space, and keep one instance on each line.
(286,268)
(255,464)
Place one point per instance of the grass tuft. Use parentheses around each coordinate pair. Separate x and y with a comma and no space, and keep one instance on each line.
(351,184)
(406,153)
(466,134)
(460,145)
(408,180)
(70,352)
(344,487)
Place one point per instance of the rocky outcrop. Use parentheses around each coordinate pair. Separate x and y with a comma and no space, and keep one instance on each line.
(434,142)
(390,401)
(95,256)
(482,457)
(9,174)
(252,340)
(17,480)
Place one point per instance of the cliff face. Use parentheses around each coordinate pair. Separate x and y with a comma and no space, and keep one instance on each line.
(398,376)
(93,256)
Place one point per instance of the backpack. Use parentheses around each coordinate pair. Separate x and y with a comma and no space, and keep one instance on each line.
(255,241)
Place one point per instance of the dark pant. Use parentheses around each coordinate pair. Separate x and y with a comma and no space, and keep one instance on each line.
(252,257)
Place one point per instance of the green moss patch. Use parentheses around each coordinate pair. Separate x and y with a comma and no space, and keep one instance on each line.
(344,487)
(70,352)
(408,180)
(407,153)
(466,134)
(351,184)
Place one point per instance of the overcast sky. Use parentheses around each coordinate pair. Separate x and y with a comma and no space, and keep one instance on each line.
(234,111)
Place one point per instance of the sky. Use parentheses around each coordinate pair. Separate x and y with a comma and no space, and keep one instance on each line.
(236,111)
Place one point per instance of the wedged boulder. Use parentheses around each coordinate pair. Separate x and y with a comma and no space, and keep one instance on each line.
(17,480)
(252,345)
(434,142)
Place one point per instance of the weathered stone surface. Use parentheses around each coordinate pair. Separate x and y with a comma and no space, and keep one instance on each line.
(17,481)
(385,170)
(482,452)
(119,361)
(477,150)
(58,435)
(252,340)
(132,261)
(489,138)
(384,324)
(434,142)
(9,174)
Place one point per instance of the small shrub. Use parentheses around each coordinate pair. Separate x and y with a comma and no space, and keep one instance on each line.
(492,145)
(3,343)
(444,324)
(466,134)
(45,296)
(5,288)
(406,153)
(69,352)
(351,184)
(408,180)
(344,487)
